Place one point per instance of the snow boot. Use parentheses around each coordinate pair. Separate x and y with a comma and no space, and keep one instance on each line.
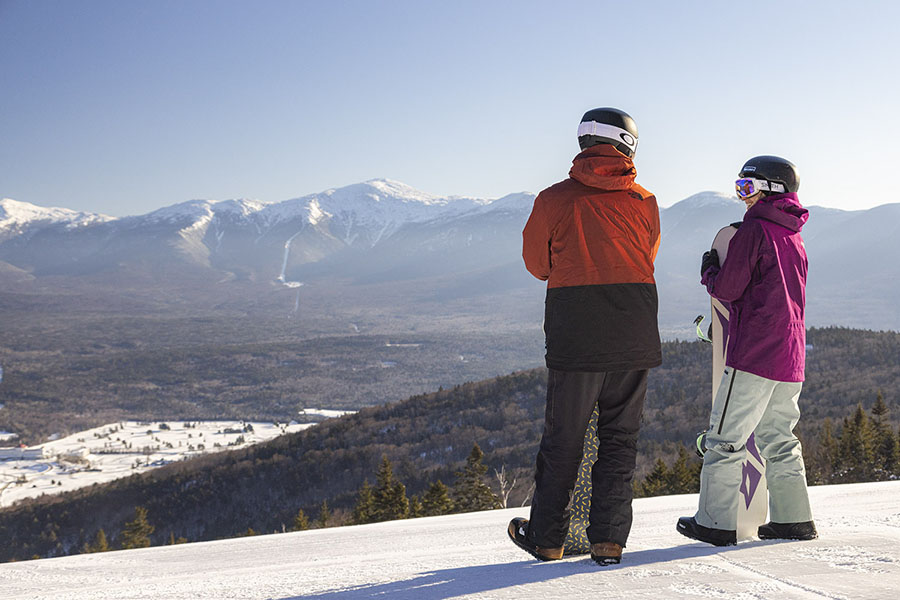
(788,531)
(606,553)
(688,527)
(518,533)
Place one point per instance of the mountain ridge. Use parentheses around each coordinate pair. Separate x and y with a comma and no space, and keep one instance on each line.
(383,231)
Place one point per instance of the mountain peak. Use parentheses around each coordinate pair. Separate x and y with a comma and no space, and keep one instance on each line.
(15,213)
(242,206)
(198,209)
(400,190)
(192,209)
(379,190)
(706,199)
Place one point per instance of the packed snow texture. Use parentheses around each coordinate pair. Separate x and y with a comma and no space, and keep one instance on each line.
(857,556)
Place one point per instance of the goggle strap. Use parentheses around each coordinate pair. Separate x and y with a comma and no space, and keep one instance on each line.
(607,131)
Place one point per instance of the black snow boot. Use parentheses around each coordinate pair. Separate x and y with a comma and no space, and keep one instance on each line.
(688,527)
(788,531)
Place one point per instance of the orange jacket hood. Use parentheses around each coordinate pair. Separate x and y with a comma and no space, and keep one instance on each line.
(603,167)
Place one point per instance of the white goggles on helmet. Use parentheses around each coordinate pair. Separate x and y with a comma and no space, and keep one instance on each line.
(610,132)
(750,186)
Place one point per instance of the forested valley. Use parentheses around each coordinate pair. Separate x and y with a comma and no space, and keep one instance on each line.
(469,447)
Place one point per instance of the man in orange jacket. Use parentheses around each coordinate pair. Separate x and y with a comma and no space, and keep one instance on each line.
(593,238)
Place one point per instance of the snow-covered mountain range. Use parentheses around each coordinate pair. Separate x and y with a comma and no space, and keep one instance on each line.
(383,231)
(240,236)
(468,556)
(18,218)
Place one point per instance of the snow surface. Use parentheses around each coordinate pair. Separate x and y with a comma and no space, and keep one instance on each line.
(857,556)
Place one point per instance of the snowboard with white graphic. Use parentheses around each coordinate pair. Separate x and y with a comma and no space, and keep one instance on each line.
(753,506)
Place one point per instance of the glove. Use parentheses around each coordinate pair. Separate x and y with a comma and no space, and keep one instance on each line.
(710,259)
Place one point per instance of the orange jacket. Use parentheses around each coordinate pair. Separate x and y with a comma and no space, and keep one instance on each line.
(593,238)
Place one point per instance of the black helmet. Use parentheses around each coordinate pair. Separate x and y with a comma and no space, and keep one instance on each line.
(608,126)
(773,169)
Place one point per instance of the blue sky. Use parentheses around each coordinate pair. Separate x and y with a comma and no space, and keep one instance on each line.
(124,107)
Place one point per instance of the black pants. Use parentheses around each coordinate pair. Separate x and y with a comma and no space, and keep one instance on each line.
(571,397)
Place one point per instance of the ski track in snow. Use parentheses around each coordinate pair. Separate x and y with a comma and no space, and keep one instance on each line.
(469,556)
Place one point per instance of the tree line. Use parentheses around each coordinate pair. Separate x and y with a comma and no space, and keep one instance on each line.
(387,500)
(427,437)
(864,447)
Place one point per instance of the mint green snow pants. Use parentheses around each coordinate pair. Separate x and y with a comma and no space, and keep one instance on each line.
(745,404)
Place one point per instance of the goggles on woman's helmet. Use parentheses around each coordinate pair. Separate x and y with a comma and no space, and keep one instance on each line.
(750,186)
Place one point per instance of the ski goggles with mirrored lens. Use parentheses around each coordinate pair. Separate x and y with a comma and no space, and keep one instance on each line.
(749,186)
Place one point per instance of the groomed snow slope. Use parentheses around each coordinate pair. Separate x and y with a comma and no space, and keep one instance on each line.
(469,556)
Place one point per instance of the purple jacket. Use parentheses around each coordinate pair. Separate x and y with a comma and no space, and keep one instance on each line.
(763,279)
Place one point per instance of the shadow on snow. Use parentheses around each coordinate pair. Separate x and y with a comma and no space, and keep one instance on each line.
(450,583)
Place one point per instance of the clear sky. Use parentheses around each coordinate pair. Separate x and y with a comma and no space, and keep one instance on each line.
(122,107)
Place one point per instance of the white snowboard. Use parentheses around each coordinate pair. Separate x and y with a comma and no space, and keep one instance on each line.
(753,505)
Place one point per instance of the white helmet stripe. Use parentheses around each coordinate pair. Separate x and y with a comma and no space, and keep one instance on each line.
(607,131)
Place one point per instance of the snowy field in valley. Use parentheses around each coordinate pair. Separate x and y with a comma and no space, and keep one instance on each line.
(857,556)
(121,449)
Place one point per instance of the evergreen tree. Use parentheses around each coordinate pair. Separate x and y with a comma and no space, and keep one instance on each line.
(886,449)
(684,474)
(324,515)
(682,477)
(856,451)
(99,545)
(879,409)
(656,482)
(389,497)
(897,441)
(819,455)
(364,511)
(301,522)
(415,508)
(137,532)
(830,453)
(470,492)
(437,500)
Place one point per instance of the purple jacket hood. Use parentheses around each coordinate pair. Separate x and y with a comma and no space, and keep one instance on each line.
(783,209)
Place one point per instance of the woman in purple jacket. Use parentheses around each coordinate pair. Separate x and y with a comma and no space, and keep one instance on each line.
(763,281)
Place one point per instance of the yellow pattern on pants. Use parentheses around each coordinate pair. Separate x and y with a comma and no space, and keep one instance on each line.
(576,538)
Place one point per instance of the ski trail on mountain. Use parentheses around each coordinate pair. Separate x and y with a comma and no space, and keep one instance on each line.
(284,263)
